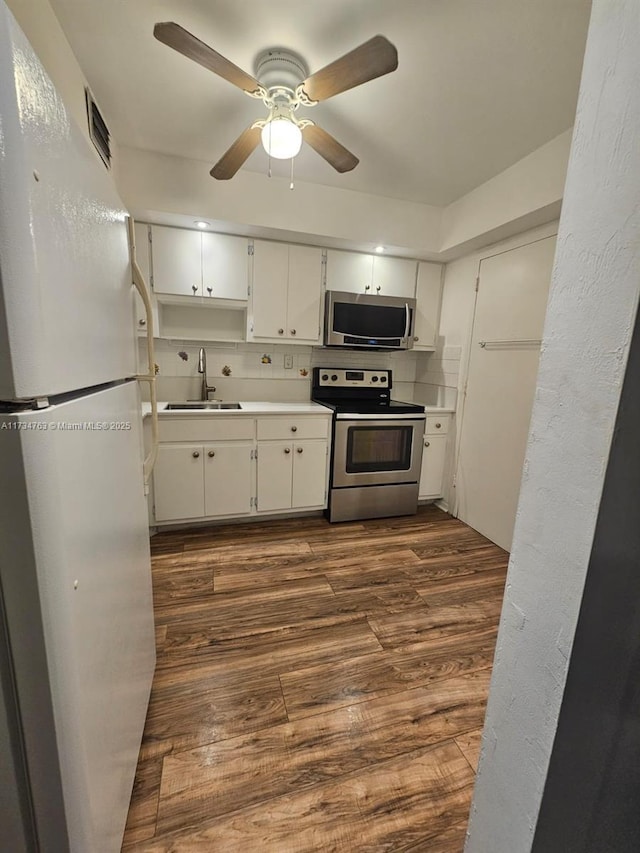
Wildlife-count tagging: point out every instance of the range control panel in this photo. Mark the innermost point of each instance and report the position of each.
(339, 377)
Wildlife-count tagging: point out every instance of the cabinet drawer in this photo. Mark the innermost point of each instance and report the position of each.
(206, 429)
(290, 427)
(437, 424)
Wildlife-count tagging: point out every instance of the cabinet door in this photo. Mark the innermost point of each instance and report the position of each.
(225, 266)
(349, 271)
(227, 479)
(269, 289)
(143, 247)
(275, 462)
(176, 256)
(178, 482)
(309, 473)
(432, 472)
(304, 294)
(428, 295)
(394, 277)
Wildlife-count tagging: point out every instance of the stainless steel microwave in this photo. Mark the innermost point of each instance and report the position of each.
(357, 320)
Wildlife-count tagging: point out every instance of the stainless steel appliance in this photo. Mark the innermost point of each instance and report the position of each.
(377, 444)
(356, 320)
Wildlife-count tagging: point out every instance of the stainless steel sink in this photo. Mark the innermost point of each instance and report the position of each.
(209, 405)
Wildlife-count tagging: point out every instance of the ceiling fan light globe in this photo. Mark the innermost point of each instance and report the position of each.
(281, 138)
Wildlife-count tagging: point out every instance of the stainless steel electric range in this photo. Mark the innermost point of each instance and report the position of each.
(377, 444)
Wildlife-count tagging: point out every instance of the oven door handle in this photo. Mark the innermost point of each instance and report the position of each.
(384, 419)
(408, 320)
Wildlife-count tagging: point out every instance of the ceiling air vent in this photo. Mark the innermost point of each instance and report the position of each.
(98, 130)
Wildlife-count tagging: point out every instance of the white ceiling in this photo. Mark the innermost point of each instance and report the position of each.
(480, 83)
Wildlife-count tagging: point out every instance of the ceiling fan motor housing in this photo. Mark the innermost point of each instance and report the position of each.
(278, 68)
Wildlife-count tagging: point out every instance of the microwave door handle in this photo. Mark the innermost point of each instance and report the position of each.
(408, 320)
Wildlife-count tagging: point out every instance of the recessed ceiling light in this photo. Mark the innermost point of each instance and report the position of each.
(379, 249)
(201, 223)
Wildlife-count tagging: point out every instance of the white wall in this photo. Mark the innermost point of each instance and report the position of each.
(592, 309)
(153, 184)
(40, 25)
(525, 195)
(162, 188)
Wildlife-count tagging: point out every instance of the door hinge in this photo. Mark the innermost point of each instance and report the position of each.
(477, 283)
(254, 502)
(249, 290)
(250, 249)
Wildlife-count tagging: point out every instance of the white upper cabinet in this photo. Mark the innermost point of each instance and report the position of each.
(373, 274)
(177, 261)
(349, 271)
(429, 296)
(304, 293)
(286, 293)
(394, 277)
(225, 266)
(195, 263)
(143, 258)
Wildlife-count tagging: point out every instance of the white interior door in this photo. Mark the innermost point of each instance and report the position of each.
(510, 311)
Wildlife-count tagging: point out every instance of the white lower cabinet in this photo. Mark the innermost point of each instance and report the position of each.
(210, 468)
(228, 479)
(308, 488)
(199, 481)
(178, 482)
(434, 456)
(275, 469)
(291, 475)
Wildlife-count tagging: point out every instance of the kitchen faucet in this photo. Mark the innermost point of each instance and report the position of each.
(202, 368)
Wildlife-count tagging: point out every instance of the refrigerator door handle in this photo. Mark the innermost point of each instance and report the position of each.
(150, 376)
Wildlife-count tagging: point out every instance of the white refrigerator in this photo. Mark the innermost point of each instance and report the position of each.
(77, 649)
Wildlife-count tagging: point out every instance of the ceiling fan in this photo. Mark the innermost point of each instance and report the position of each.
(283, 86)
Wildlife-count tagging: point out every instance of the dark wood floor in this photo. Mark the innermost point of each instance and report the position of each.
(319, 687)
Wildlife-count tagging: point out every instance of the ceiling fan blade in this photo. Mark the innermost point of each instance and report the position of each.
(231, 160)
(175, 36)
(329, 148)
(372, 59)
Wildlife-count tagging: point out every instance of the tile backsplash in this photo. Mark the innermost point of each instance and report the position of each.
(437, 376)
(277, 372)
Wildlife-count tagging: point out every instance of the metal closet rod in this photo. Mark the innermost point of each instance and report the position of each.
(485, 344)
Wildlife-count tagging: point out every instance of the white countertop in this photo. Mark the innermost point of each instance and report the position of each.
(251, 407)
(260, 407)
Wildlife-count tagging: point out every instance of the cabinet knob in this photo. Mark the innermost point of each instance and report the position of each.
(209, 290)
(438, 426)
(299, 449)
(211, 453)
(287, 450)
(378, 289)
(194, 288)
(416, 338)
(294, 429)
(367, 287)
(427, 443)
(293, 331)
(195, 454)
(142, 322)
(281, 331)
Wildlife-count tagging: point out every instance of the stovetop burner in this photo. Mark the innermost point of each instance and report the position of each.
(349, 391)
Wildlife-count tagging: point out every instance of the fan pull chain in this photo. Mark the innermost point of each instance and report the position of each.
(291, 184)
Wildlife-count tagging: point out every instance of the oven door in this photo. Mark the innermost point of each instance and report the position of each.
(369, 450)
